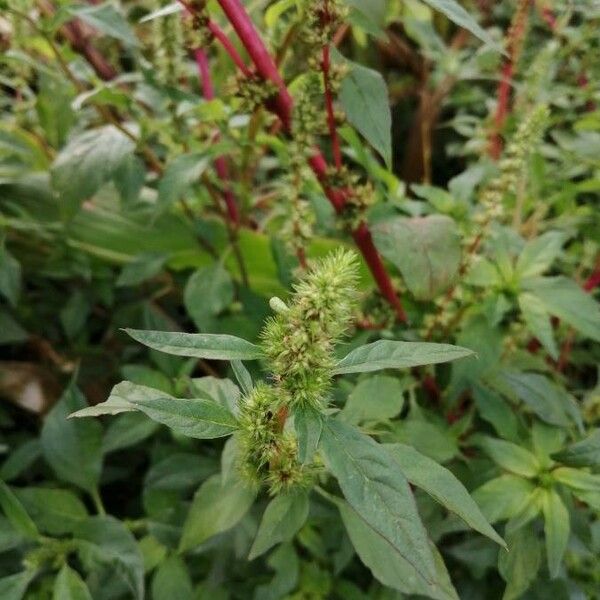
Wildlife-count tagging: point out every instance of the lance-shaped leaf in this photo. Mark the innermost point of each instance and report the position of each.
(390, 354)
(456, 13)
(15, 513)
(282, 519)
(390, 566)
(556, 528)
(375, 487)
(120, 400)
(443, 486)
(197, 345)
(194, 417)
(585, 453)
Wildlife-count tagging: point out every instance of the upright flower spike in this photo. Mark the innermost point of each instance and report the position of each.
(298, 342)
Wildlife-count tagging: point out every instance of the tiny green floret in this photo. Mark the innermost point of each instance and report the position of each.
(298, 342)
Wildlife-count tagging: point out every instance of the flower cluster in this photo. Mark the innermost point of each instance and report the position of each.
(298, 342)
(514, 164)
(321, 20)
(253, 91)
(195, 27)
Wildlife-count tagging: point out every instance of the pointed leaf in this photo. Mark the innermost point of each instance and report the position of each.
(389, 354)
(443, 486)
(389, 565)
(556, 529)
(194, 417)
(456, 13)
(511, 457)
(197, 345)
(68, 585)
(282, 519)
(585, 453)
(73, 448)
(364, 97)
(378, 492)
(216, 507)
(16, 513)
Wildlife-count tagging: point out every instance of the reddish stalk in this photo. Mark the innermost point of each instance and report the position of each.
(221, 166)
(263, 62)
(515, 38)
(74, 33)
(282, 107)
(335, 141)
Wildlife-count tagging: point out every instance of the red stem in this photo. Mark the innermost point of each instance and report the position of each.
(335, 141)
(221, 166)
(282, 106)
(264, 63)
(502, 107)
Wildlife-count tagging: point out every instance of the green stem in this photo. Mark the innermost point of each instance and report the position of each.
(97, 500)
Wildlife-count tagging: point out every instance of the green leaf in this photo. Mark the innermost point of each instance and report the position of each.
(576, 479)
(54, 511)
(14, 587)
(216, 507)
(520, 565)
(556, 529)
(538, 322)
(10, 277)
(564, 299)
(208, 292)
(107, 19)
(242, 376)
(74, 314)
(511, 457)
(221, 391)
(585, 453)
(193, 417)
(376, 398)
(426, 250)
(10, 331)
(15, 513)
(457, 14)
(172, 580)
(308, 424)
(548, 401)
(538, 255)
(68, 585)
(503, 497)
(54, 110)
(364, 97)
(443, 486)
(179, 176)
(496, 411)
(72, 448)
(20, 459)
(378, 492)
(388, 564)
(389, 354)
(105, 541)
(197, 345)
(282, 519)
(119, 400)
(143, 267)
(86, 163)
(127, 430)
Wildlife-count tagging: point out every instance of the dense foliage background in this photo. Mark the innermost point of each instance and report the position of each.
(159, 170)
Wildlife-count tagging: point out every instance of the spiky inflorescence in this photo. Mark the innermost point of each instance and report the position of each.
(513, 165)
(298, 342)
(267, 453)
